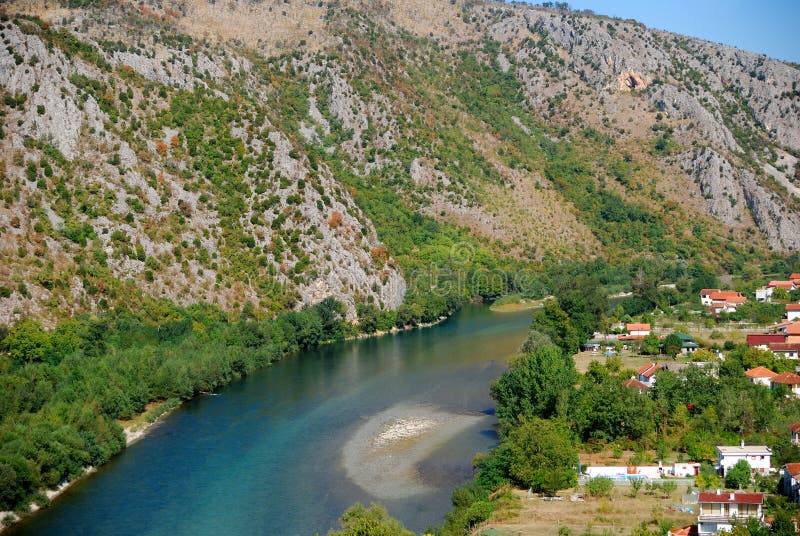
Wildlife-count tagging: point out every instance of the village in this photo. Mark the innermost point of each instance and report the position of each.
(717, 510)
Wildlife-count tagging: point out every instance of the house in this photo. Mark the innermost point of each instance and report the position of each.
(790, 477)
(790, 380)
(761, 376)
(636, 331)
(795, 429)
(762, 341)
(719, 511)
(688, 345)
(684, 469)
(705, 295)
(785, 350)
(726, 301)
(758, 456)
(633, 383)
(646, 374)
(792, 332)
(788, 286)
(792, 311)
(795, 277)
(764, 294)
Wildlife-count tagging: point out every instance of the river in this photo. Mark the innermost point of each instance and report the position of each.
(395, 419)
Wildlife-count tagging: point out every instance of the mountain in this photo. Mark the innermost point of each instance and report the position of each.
(280, 152)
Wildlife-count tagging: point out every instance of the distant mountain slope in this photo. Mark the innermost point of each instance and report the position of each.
(280, 152)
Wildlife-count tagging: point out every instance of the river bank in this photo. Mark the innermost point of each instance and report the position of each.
(138, 426)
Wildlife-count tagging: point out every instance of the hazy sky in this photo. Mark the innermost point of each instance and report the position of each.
(771, 27)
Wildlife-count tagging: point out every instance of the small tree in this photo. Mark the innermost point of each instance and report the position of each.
(599, 486)
(636, 486)
(358, 520)
(673, 344)
(738, 476)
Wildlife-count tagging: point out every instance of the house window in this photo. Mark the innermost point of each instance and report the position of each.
(762, 457)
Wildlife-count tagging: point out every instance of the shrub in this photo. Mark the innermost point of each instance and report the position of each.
(599, 486)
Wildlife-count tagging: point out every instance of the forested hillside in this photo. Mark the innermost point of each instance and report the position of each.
(150, 152)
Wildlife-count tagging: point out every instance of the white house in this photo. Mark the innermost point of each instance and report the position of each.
(705, 295)
(647, 373)
(790, 380)
(761, 376)
(795, 429)
(786, 350)
(792, 311)
(791, 481)
(719, 511)
(764, 294)
(758, 456)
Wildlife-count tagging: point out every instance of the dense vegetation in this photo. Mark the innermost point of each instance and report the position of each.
(64, 391)
(548, 413)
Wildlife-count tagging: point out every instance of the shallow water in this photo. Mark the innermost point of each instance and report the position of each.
(267, 455)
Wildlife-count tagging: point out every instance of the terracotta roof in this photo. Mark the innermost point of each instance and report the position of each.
(689, 530)
(727, 497)
(786, 285)
(793, 328)
(795, 275)
(706, 291)
(729, 296)
(795, 427)
(633, 383)
(760, 372)
(785, 347)
(637, 327)
(793, 468)
(764, 338)
(648, 370)
(631, 337)
(787, 378)
(793, 306)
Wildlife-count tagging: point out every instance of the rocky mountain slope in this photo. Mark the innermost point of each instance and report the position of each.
(280, 152)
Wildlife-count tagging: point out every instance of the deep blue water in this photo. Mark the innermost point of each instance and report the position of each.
(264, 455)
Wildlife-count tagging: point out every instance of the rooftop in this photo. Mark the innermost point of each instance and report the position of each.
(744, 449)
(760, 372)
(728, 497)
(787, 378)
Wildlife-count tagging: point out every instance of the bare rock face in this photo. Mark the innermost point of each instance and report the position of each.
(770, 211)
(631, 80)
(719, 184)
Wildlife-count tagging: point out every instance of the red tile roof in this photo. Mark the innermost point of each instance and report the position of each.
(759, 339)
(795, 427)
(631, 337)
(793, 468)
(794, 276)
(729, 296)
(727, 497)
(793, 306)
(633, 383)
(786, 285)
(707, 291)
(689, 530)
(760, 372)
(648, 370)
(793, 328)
(787, 378)
(637, 327)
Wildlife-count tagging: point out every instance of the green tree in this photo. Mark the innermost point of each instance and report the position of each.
(554, 322)
(535, 385)
(738, 476)
(650, 344)
(27, 341)
(600, 486)
(372, 521)
(542, 455)
(672, 344)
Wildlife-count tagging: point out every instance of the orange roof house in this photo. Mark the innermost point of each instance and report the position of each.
(787, 378)
(760, 372)
(729, 296)
(785, 285)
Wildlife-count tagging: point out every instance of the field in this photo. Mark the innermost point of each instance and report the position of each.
(617, 514)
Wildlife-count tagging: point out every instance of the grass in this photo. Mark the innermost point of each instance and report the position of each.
(618, 513)
(513, 303)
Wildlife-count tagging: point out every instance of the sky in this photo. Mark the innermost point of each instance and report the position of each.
(770, 27)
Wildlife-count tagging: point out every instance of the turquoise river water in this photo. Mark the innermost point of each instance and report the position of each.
(395, 419)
